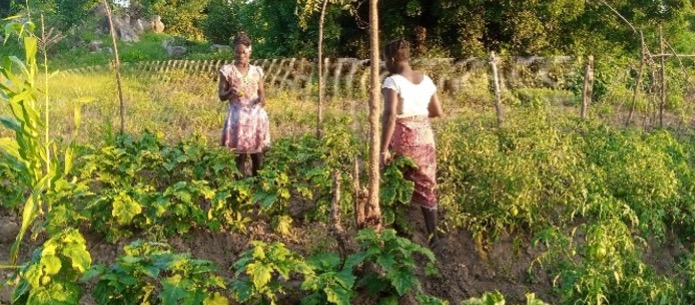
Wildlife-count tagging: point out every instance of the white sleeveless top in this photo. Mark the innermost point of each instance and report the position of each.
(415, 98)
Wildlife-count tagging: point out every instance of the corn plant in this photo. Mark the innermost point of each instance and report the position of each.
(36, 162)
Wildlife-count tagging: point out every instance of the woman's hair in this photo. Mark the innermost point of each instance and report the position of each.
(398, 49)
(242, 39)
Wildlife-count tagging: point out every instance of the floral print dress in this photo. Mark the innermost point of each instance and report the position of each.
(246, 129)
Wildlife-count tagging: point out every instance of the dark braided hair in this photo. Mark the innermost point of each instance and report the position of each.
(242, 39)
(398, 49)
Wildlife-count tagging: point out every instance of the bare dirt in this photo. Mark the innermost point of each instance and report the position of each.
(464, 271)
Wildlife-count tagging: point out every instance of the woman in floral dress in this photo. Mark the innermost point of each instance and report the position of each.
(246, 127)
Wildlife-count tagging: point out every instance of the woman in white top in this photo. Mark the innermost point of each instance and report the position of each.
(410, 99)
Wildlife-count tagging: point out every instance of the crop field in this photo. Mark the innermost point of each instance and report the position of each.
(134, 201)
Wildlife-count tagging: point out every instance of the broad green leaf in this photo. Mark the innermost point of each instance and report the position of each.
(424, 299)
(174, 289)
(345, 279)
(69, 158)
(260, 274)
(241, 263)
(387, 261)
(125, 208)
(33, 275)
(258, 251)
(389, 217)
(10, 123)
(284, 224)
(81, 259)
(9, 146)
(243, 290)
(95, 271)
(51, 265)
(30, 48)
(337, 295)
(355, 259)
(402, 280)
(28, 216)
(56, 293)
(325, 261)
(216, 299)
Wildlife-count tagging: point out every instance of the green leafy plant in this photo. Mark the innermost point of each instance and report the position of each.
(329, 284)
(396, 193)
(496, 298)
(38, 164)
(395, 258)
(50, 277)
(262, 273)
(149, 273)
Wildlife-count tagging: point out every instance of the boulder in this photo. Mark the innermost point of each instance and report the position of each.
(172, 50)
(124, 30)
(141, 26)
(157, 25)
(95, 45)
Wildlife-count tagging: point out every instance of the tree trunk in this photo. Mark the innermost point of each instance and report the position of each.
(319, 112)
(116, 66)
(588, 87)
(373, 211)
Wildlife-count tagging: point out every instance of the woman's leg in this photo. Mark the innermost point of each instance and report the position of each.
(431, 224)
(256, 163)
(241, 164)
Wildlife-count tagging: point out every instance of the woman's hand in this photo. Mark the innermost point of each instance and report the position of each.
(385, 158)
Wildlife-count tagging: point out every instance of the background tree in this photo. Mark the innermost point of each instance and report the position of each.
(221, 21)
(181, 17)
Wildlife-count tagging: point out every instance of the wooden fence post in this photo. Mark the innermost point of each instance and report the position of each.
(116, 66)
(638, 83)
(496, 84)
(663, 79)
(588, 87)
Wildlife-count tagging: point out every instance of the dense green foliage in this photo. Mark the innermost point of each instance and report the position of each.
(289, 28)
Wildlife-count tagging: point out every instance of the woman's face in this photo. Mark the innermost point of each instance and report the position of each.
(242, 53)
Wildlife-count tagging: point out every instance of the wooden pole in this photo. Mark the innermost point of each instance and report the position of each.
(638, 83)
(359, 206)
(588, 87)
(337, 228)
(662, 88)
(319, 112)
(373, 214)
(498, 92)
(117, 66)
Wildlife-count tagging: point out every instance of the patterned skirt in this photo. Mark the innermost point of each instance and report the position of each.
(246, 130)
(413, 138)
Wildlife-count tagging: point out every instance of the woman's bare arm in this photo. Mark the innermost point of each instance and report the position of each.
(388, 119)
(434, 107)
(225, 91)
